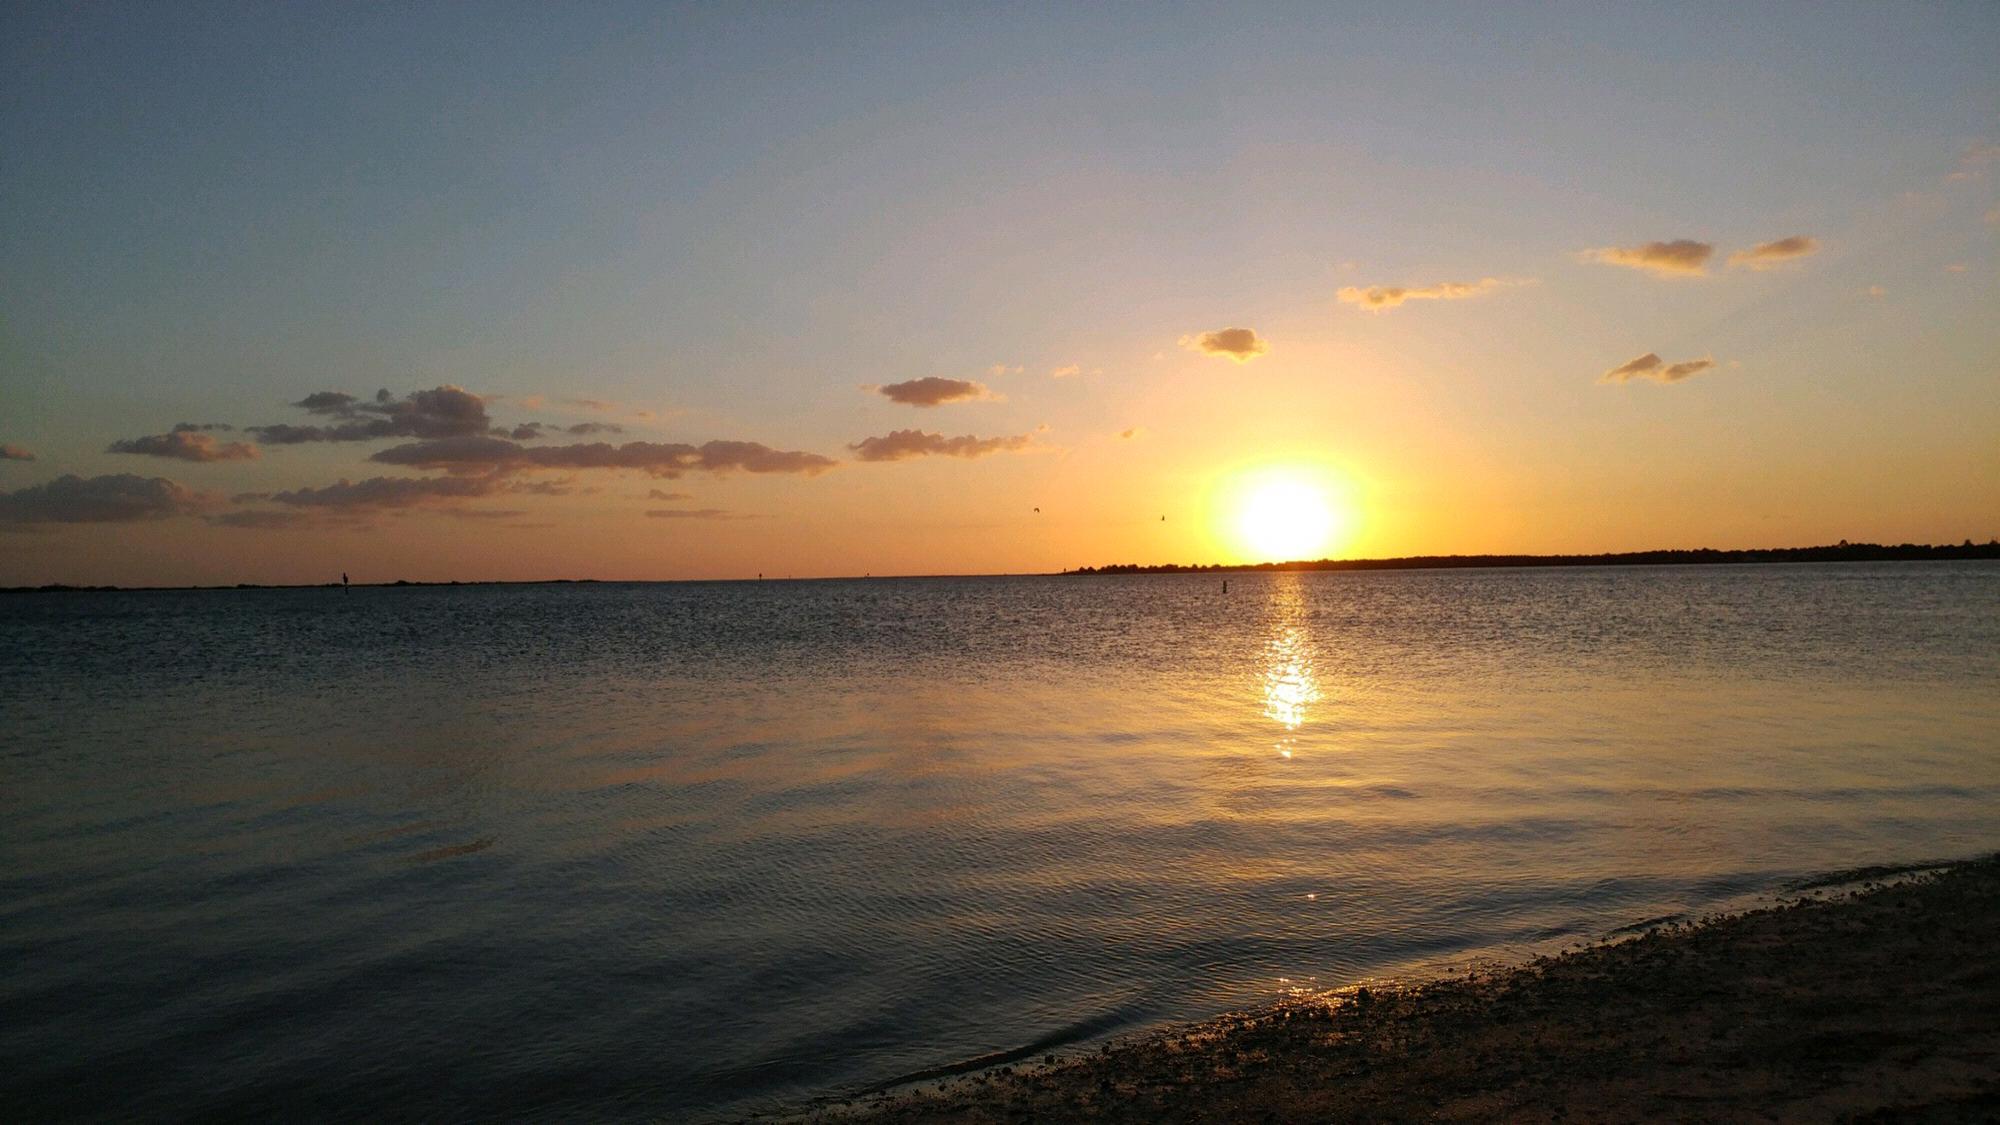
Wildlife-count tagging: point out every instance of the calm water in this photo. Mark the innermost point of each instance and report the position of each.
(673, 850)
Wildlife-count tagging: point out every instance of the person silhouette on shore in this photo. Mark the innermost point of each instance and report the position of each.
(343, 582)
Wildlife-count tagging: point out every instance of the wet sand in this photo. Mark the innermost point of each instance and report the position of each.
(1882, 1004)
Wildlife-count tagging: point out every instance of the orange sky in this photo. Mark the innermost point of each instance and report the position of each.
(1481, 285)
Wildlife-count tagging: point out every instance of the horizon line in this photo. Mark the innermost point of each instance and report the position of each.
(1843, 551)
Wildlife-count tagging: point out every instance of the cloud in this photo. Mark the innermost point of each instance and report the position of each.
(563, 487)
(1066, 371)
(696, 514)
(901, 445)
(385, 492)
(596, 404)
(1651, 366)
(440, 412)
(10, 452)
(669, 497)
(1001, 370)
(531, 431)
(1957, 267)
(933, 391)
(1376, 298)
(1239, 344)
(483, 513)
(186, 442)
(261, 519)
(476, 454)
(1770, 255)
(1875, 291)
(1681, 256)
(117, 498)
(1973, 161)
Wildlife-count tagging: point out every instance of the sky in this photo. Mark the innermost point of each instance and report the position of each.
(640, 291)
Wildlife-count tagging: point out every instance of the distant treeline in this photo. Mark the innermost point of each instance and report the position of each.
(60, 588)
(1842, 551)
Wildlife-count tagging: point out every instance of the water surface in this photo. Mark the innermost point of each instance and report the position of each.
(605, 851)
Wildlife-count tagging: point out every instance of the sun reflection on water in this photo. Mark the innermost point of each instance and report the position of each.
(1290, 685)
(1290, 688)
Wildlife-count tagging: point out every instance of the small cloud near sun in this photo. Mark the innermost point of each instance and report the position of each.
(1682, 256)
(1239, 344)
(901, 445)
(1377, 298)
(1651, 366)
(1001, 371)
(934, 391)
(1771, 255)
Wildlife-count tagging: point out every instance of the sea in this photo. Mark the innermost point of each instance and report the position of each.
(692, 851)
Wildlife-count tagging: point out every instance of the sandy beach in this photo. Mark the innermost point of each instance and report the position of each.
(1871, 996)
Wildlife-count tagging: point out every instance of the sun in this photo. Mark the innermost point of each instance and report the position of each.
(1284, 516)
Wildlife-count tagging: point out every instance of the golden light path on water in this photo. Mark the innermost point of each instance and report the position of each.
(1290, 685)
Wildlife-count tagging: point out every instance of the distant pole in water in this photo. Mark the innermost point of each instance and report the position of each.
(1225, 585)
(343, 582)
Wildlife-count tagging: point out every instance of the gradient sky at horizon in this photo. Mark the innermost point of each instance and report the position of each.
(706, 223)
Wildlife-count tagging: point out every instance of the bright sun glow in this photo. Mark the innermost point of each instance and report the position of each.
(1284, 517)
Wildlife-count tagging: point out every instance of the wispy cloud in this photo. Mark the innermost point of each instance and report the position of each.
(1651, 366)
(531, 431)
(1681, 256)
(186, 442)
(1067, 371)
(1239, 344)
(697, 514)
(116, 498)
(934, 391)
(669, 497)
(263, 519)
(384, 492)
(659, 459)
(1973, 161)
(901, 445)
(1770, 255)
(1376, 298)
(11, 452)
(441, 412)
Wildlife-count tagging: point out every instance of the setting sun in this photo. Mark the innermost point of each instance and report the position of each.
(1284, 516)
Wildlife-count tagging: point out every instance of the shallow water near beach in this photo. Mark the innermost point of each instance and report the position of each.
(610, 851)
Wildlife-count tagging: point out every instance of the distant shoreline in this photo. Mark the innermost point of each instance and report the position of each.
(1700, 556)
